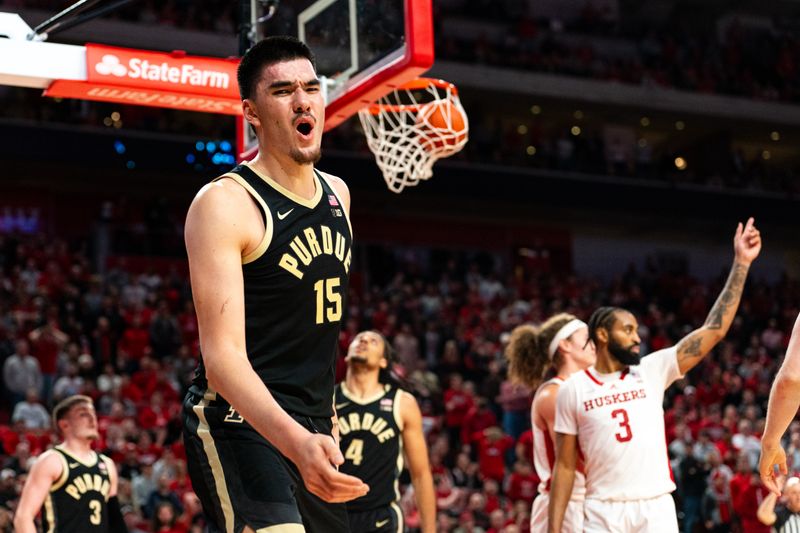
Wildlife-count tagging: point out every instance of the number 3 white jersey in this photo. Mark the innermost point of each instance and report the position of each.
(619, 421)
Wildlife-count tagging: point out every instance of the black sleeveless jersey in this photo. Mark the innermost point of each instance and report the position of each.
(78, 499)
(295, 287)
(370, 439)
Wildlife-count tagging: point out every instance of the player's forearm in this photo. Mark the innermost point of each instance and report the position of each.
(232, 377)
(693, 348)
(766, 511)
(721, 315)
(23, 523)
(426, 500)
(784, 398)
(560, 492)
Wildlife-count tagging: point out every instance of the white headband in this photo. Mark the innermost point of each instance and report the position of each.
(566, 330)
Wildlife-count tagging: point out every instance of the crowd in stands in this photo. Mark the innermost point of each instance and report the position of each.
(736, 60)
(753, 61)
(130, 341)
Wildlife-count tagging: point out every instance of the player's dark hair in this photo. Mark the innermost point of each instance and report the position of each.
(274, 49)
(527, 350)
(388, 349)
(603, 317)
(61, 410)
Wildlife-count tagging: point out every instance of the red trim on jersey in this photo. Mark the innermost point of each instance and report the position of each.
(669, 465)
(550, 450)
(624, 373)
(593, 378)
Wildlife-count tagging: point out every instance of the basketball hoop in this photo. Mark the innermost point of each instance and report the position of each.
(412, 127)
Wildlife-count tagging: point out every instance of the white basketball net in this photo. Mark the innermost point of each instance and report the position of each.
(409, 129)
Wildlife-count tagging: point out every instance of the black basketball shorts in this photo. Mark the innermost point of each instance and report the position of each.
(242, 480)
(387, 519)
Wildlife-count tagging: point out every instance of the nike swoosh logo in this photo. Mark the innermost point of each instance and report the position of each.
(73, 465)
(342, 405)
(281, 216)
(382, 523)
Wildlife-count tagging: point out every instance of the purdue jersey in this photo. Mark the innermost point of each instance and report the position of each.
(295, 284)
(78, 499)
(369, 436)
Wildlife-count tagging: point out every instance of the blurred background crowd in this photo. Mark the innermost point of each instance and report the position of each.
(129, 340)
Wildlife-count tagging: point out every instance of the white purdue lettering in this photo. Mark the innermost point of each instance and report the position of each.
(344, 427)
(327, 240)
(367, 421)
(289, 264)
(72, 491)
(105, 488)
(339, 252)
(313, 245)
(81, 486)
(355, 423)
(378, 426)
(386, 435)
(347, 260)
(301, 251)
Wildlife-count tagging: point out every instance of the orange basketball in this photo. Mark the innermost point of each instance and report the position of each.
(445, 119)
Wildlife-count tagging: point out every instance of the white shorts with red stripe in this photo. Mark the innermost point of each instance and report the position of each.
(654, 515)
(573, 516)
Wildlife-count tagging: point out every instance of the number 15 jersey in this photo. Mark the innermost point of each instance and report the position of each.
(619, 421)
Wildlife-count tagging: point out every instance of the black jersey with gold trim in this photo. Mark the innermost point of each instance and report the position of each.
(370, 439)
(295, 287)
(78, 500)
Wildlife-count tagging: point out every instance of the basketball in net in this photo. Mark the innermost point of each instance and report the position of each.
(412, 127)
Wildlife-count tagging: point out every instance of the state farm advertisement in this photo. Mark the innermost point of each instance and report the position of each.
(158, 79)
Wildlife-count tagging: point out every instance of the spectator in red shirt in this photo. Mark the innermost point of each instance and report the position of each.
(478, 418)
(46, 342)
(134, 344)
(457, 402)
(492, 445)
(522, 483)
(746, 495)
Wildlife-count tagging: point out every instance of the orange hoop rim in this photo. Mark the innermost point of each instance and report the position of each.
(413, 85)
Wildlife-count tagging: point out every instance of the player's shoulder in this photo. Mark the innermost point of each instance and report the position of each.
(49, 463)
(220, 198)
(660, 357)
(338, 184)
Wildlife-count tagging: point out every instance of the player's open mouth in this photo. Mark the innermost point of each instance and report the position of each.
(304, 126)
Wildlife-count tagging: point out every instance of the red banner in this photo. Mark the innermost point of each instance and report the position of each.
(163, 71)
(141, 96)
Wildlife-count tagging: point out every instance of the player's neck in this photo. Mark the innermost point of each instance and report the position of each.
(290, 175)
(362, 383)
(80, 448)
(568, 368)
(606, 364)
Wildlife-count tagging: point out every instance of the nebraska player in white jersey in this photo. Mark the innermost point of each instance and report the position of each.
(613, 412)
(559, 347)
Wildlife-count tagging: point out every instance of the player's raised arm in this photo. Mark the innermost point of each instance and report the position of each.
(418, 465)
(563, 480)
(695, 346)
(45, 471)
(784, 400)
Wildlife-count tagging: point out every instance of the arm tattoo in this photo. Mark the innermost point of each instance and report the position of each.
(691, 346)
(728, 300)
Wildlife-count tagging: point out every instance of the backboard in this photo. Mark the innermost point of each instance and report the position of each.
(364, 50)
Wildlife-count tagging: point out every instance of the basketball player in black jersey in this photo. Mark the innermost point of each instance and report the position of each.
(73, 486)
(269, 256)
(378, 422)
